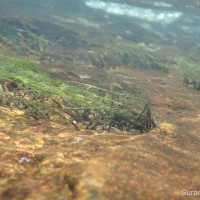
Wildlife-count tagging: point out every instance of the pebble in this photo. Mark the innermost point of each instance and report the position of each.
(24, 160)
(77, 140)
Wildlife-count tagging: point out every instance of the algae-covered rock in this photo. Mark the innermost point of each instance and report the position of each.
(58, 44)
(26, 86)
(189, 69)
(123, 54)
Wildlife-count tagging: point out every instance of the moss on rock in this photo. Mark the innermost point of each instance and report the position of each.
(27, 86)
(123, 54)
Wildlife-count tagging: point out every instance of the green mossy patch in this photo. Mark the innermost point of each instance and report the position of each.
(27, 86)
(123, 54)
(189, 69)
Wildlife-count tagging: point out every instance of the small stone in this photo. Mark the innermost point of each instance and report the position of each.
(24, 160)
(77, 140)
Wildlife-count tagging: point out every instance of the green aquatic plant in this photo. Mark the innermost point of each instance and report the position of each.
(26, 37)
(123, 54)
(27, 86)
(189, 69)
(23, 37)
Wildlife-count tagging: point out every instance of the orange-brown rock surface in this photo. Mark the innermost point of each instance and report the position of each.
(42, 160)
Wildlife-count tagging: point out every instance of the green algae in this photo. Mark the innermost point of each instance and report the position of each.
(124, 54)
(57, 40)
(189, 69)
(26, 85)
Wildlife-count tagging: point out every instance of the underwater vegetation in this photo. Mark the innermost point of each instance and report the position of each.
(37, 39)
(27, 37)
(189, 69)
(124, 54)
(26, 86)
(134, 56)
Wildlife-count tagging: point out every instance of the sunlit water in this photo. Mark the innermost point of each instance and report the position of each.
(146, 21)
(146, 14)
